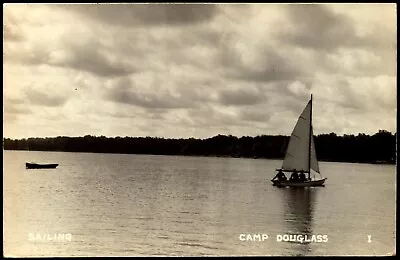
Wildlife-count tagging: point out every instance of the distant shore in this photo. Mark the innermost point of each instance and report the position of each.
(379, 148)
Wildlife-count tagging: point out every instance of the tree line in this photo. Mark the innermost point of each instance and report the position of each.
(378, 148)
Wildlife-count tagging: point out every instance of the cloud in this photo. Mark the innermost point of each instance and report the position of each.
(15, 109)
(146, 14)
(12, 100)
(78, 46)
(153, 92)
(11, 31)
(90, 56)
(198, 70)
(343, 44)
(380, 91)
(255, 115)
(127, 91)
(249, 61)
(212, 116)
(83, 55)
(321, 27)
(14, 105)
(316, 26)
(362, 94)
(43, 99)
(243, 96)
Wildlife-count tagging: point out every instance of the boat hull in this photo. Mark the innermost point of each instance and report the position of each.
(40, 166)
(312, 183)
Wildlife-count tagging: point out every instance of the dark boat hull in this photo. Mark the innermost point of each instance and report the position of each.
(312, 183)
(40, 166)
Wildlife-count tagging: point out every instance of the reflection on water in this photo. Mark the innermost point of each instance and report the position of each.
(300, 208)
(299, 214)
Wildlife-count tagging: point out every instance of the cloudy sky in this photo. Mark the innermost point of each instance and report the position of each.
(197, 70)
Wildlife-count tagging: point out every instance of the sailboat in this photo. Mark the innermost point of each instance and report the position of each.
(301, 155)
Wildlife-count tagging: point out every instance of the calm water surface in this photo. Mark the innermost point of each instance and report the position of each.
(114, 204)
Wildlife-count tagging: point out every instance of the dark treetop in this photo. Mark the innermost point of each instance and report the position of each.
(378, 148)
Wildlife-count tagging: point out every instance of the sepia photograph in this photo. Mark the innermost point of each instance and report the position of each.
(199, 129)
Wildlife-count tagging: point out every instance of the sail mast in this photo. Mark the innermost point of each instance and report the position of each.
(309, 141)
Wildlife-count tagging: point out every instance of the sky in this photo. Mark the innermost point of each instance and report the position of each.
(197, 70)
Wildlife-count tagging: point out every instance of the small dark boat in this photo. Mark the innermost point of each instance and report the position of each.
(41, 166)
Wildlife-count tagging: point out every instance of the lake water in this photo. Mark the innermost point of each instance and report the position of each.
(121, 205)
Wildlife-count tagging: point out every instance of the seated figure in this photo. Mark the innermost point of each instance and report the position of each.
(294, 177)
(281, 176)
(302, 176)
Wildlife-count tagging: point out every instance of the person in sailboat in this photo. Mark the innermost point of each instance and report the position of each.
(280, 175)
(294, 176)
(302, 176)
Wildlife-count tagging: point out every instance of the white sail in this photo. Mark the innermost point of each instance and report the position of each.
(297, 153)
(300, 154)
(313, 161)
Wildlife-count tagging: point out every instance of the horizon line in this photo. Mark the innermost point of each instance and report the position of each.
(228, 135)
